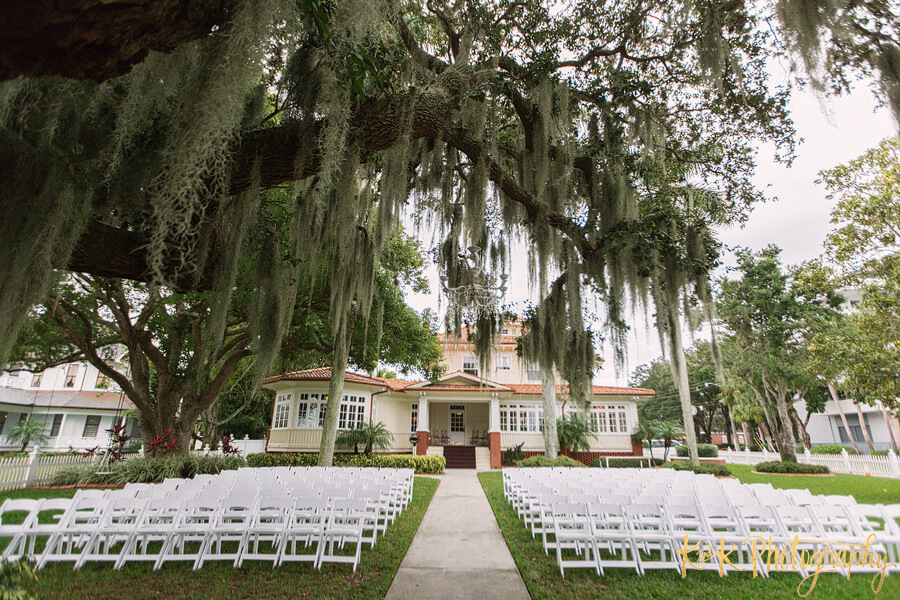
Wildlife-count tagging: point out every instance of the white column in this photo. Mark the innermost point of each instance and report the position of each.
(494, 417)
(423, 413)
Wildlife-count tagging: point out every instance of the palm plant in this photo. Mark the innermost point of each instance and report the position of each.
(668, 431)
(574, 433)
(370, 437)
(27, 431)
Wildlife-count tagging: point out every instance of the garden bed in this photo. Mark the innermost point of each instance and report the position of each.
(795, 474)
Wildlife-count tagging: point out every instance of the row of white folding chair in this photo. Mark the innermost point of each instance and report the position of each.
(121, 530)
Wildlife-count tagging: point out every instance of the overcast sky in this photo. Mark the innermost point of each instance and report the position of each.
(797, 219)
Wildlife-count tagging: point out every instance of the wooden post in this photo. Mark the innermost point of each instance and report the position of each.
(31, 470)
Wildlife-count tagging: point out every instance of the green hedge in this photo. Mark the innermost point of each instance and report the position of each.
(542, 461)
(421, 464)
(879, 452)
(625, 463)
(832, 449)
(703, 451)
(147, 470)
(702, 468)
(777, 466)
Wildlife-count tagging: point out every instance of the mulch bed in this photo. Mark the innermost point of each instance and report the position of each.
(796, 474)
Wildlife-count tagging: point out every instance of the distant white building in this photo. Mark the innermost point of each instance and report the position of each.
(827, 427)
(76, 402)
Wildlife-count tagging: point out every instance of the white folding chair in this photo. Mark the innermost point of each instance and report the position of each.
(306, 524)
(572, 530)
(613, 534)
(185, 540)
(116, 525)
(76, 526)
(346, 522)
(654, 544)
(224, 539)
(158, 520)
(16, 517)
(267, 527)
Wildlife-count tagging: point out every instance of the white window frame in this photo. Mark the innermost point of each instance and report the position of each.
(352, 412)
(470, 365)
(610, 418)
(310, 410)
(414, 417)
(504, 363)
(521, 418)
(532, 371)
(281, 419)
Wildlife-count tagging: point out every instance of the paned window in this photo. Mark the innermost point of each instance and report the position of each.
(503, 363)
(71, 373)
(57, 424)
(521, 418)
(470, 365)
(102, 381)
(282, 411)
(352, 412)
(36, 379)
(414, 417)
(607, 418)
(533, 372)
(91, 426)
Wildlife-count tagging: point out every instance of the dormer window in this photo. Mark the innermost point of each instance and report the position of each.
(71, 373)
(470, 365)
(533, 372)
(503, 363)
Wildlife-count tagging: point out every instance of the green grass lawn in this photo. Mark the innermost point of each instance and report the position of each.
(138, 581)
(866, 490)
(542, 578)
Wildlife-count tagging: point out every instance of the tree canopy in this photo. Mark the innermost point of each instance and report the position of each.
(610, 137)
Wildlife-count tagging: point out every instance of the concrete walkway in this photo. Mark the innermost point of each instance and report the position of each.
(458, 552)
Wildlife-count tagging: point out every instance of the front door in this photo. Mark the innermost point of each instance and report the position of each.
(458, 424)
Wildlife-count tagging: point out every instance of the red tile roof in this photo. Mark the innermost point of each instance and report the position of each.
(398, 385)
(66, 399)
(324, 374)
(599, 390)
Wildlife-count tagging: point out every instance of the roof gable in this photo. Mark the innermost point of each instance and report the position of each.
(458, 380)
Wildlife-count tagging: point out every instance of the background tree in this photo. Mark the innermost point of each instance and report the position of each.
(711, 414)
(768, 314)
(574, 432)
(668, 432)
(176, 374)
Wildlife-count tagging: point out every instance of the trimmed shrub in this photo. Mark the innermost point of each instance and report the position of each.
(777, 466)
(832, 449)
(421, 464)
(703, 451)
(542, 461)
(147, 470)
(513, 454)
(626, 463)
(703, 468)
(879, 453)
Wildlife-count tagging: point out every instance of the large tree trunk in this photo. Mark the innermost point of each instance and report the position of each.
(684, 387)
(548, 394)
(734, 435)
(98, 39)
(890, 429)
(748, 439)
(335, 394)
(837, 402)
(787, 443)
(862, 425)
(801, 428)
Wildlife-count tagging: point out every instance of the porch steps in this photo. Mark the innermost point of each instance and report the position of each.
(460, 457)
(482, 458)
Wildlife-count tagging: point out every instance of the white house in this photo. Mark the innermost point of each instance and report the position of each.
(827, 427)
(76, 402)
(464, 413)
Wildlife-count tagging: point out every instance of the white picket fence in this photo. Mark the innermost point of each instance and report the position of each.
(25, 471)
(853, 464)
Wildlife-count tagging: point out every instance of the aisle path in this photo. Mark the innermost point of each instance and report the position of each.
(458, 552)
